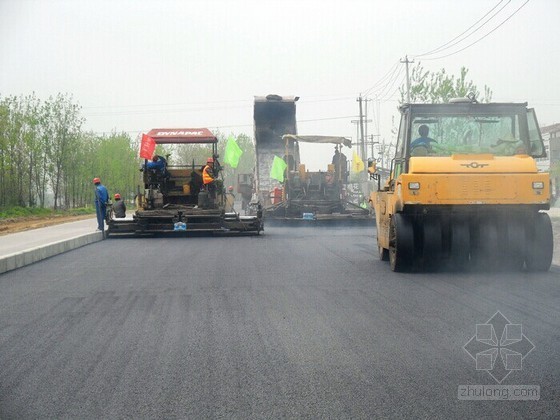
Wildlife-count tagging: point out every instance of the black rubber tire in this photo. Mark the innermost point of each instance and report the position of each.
(460, 245)
(485, 244)
(515, 244)
(401, 243)
(431, 242)
(540, 243)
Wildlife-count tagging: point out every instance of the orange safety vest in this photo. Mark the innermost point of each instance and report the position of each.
(207, 178)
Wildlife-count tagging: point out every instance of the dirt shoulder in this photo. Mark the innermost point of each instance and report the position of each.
(20, 224)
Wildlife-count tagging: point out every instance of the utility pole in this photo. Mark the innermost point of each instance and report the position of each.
(357, 122)
(372, 142)
(362, 146)
(406, 61)
(362, 127)
(366, 121)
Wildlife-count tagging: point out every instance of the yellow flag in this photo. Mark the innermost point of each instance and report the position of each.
(357, 164)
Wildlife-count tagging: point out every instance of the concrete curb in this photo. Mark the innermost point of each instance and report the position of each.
(23, 258)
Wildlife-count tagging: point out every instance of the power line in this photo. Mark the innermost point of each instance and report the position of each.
(447, 46)
(391, 71)
(192, 108)
(229, 126)
(159, 111)
(396, 70)
(390, 84)
(380, 91)
(167, 104)
(387, 98)
(480, 39)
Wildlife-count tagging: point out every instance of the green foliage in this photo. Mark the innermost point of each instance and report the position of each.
(114, 159)
(46, 159)
(21, 212)
(440, 87)
(17, 211)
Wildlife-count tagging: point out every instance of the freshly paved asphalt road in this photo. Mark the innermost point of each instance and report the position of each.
(294, 323)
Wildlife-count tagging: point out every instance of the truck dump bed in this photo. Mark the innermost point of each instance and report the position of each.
(274, 116)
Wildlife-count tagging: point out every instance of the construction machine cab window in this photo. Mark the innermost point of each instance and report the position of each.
(500, 135)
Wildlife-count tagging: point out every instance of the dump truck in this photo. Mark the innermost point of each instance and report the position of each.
(273, 116)
(314, 195)
(174, 199)
(464, 190)
(303, 195)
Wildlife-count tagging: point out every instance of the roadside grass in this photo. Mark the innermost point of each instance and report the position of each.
(16, 212)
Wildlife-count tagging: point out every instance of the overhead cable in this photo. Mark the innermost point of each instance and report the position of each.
(449, 43)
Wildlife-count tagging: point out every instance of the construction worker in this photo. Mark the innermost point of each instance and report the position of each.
(101, 199)
(209, 177)
(158, 162)
(230, 200)
(119, 207)
(422, 143)
(339, 161)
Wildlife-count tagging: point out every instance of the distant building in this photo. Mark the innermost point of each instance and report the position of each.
(551, 138)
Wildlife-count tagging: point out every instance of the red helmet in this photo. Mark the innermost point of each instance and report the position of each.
(230, 188)
(117, 196)
(96, 181)
(210, 160)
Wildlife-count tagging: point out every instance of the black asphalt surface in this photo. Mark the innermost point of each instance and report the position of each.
(298, 322)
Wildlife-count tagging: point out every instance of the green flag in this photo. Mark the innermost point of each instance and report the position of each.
(278, 168)
(232, 153)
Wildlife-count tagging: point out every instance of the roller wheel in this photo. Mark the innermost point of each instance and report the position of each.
(485, 244)
(539, 243)
(401, 243)
(514, 244)
(383, 253)
(431, 244)
(460, 245)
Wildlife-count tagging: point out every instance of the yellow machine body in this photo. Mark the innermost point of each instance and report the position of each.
(471, 197)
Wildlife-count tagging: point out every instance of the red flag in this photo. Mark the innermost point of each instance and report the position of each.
(147, 147)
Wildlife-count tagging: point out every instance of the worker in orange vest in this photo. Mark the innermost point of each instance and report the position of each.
(208, 177)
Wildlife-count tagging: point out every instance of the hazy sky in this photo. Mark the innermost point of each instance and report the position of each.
(136, 65)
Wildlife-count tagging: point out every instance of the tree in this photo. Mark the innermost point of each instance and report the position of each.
(62, 126)
(440, 87)
(43, 151)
